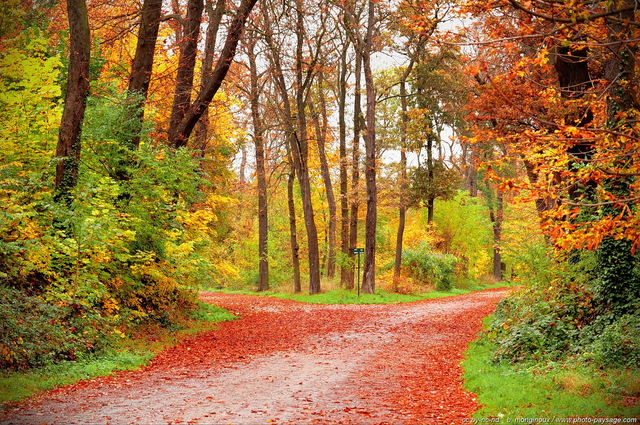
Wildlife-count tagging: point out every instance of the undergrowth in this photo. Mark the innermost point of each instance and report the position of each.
(549, 390)
(132, 353)
(555, 348)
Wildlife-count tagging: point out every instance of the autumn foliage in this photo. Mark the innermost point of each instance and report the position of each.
(557, 92)
(252, 144)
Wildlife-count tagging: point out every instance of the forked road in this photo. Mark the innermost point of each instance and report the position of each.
(287, 362)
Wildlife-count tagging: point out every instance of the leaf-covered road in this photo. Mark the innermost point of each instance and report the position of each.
(288, 362)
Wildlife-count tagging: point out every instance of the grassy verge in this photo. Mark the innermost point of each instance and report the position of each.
(343, 296)
(551, 392)
(132, 354)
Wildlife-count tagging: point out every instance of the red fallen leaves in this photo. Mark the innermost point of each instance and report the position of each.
(407, 361)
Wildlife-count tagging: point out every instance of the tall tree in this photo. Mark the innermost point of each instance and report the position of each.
(68, 147)
(368, 279)
(561, 109)
(258, 141)
(186, 68)
(344, 201)
(142, 65)
(294, 112)
(180, 134)
(358, 126)
(321, 123)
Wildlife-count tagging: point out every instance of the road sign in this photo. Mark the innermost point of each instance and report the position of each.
(357, 250)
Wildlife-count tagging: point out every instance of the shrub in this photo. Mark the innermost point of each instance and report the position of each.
(430, 268)
(618, 343)
(35, 331)
(563, 318)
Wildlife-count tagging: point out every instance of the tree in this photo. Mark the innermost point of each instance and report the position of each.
(321, 124)
(363, 43)
(186, 67)
(344, 201)
(68, 148)
(258, 141)
(142, 65)
(294, 118)
(179, 134)
(567, 106)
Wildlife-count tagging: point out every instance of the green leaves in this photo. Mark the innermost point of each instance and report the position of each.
(439, 182)
(29, 104)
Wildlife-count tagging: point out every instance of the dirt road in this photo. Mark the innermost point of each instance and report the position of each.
(288, 362)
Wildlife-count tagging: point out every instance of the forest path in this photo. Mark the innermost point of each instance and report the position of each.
(289, 362)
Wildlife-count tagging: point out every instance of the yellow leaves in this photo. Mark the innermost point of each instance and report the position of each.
(572, 131)
(215, 201)
(542, 58)
(227, 270)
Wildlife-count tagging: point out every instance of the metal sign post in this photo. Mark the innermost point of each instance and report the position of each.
(358, 251)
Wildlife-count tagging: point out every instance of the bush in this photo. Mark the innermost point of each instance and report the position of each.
(430, 268)
(618, 343)
(526, 330)
(35, 332)
(563, 318)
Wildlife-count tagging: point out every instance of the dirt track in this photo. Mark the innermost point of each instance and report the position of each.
(287, 362)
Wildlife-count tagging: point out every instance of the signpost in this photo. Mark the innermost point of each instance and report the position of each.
(358, 251)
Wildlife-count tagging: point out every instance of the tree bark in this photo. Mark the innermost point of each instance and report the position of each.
(496, 216)
(214, 19)
(402, 209)
(430, 166)
(293, 231)
(68, 147)
(197, 108)
(142, 64)
(355, 166)
(300, 153)
(369, 274)
(258, 140)
(616, 287)
(344, 201)
(186, 67)
(321, 136)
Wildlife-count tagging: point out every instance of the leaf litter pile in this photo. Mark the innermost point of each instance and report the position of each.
(289, 362)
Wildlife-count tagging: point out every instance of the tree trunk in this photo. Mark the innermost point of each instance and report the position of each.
(321, 133)
(293, 232)
(355, 171)
(142, 64)
(369, 274)
(430, 201)
(68, 147)
(258, 140)
(186, 67)
(616, 287)
(197, 108)
(402, 209)
(300, 151)
(496, 216)
(344, 201)
(215, 17)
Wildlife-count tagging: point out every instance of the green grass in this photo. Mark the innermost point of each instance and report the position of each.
(547, 391)
(132, 354)
(343, 296)
(17, 385)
